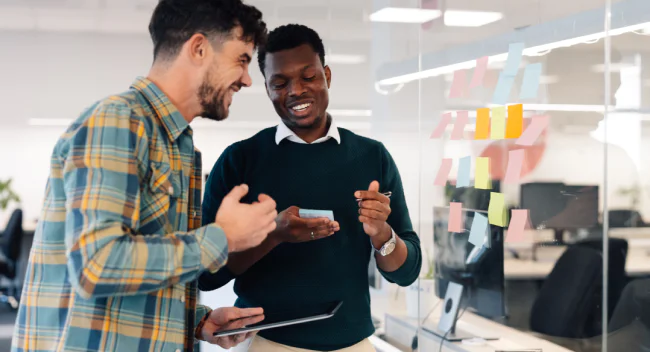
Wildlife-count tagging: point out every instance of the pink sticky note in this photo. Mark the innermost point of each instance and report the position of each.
(443, 172)
(459, 85)
(515, 162)
(442, 126)
(533, 131)
(455, 214)
(517, 225)
(479, 72)
(462, 117)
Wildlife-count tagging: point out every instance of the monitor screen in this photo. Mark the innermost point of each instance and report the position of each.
(560, 206)
(478, 269)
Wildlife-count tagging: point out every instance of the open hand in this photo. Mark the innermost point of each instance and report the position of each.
(228, 319)
(294, 229)
(374, 209)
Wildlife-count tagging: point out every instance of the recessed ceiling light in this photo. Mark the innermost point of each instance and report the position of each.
(345, 59)
(404, 15)
(460, 18)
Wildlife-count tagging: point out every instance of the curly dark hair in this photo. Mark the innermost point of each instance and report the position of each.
(175, 21)
(288, 37)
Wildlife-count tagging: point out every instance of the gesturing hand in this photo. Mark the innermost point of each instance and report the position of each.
(374, 209)
(228, 319)
(245, 225)
(294, 229)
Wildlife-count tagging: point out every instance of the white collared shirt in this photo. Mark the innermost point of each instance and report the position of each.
(283, 132)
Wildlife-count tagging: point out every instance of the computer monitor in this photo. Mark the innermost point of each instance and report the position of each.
(560, 206)
(479, 269)
(472, 198)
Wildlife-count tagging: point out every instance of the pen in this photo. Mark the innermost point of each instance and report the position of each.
(387, 194)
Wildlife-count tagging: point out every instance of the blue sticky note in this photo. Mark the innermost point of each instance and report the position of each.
(502, 91)
(479, 230)
(313, 214)
(464, 166)
(515, 52)
(530, 84)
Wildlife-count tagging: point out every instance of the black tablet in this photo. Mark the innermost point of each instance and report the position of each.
(277, 319)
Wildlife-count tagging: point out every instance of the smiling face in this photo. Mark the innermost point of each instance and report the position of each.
(227, 74)
(297, 83)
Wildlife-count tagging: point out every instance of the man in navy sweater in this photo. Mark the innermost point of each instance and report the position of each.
(307, 162)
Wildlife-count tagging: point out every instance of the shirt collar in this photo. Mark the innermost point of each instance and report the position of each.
(283, 132)
(170, 117)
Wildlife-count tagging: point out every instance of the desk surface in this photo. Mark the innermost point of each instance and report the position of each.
(509, 338)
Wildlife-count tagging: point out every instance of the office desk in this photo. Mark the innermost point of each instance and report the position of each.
(400, 330)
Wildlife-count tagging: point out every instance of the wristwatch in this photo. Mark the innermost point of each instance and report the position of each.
(388, 247)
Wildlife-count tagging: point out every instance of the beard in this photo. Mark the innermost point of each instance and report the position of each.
(212, 100)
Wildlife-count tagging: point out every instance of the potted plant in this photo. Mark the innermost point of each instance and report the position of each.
(7, 195)
(422, 293)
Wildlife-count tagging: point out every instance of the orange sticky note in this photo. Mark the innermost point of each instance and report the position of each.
(517, 225)
(455, 214)
(482, 124)
(515, 125)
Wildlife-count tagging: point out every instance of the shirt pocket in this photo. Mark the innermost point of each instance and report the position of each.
(159, 200)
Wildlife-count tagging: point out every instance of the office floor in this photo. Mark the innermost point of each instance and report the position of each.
(7, 318)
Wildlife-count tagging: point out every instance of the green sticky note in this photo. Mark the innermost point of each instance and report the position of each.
(497, 212)
(498, 127)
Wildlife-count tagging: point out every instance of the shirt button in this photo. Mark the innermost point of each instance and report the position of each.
(183, 299)
(171, 190)
(195, 213)
(178, 350)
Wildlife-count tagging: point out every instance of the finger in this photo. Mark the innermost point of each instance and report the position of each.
(373, 214)
(323, 231)
(237, 193)
(314, 223)
(251, 334)
(249, 312)
(240, 323)
(265, 207)
(374, 205)
(334, 225)
(367, 220)
(367, 195)
(374, 186)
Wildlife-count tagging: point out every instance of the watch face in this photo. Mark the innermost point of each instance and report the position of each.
(388, 249)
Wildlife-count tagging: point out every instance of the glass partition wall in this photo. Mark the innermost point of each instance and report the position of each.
(518, 127)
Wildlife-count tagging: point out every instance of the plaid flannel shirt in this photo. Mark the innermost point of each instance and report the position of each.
(118, 249)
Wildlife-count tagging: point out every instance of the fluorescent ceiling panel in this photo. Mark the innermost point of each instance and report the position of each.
(404, 15)
(461, 18)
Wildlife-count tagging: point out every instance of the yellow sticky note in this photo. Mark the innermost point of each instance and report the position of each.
(482, 124)
(482, 174)
(498, 127)
(497, 212)
(515, 125)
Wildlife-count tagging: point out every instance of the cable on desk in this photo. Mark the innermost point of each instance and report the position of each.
(442, 341)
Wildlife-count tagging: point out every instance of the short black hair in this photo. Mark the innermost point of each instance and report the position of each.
(175, 21)
(290, 36)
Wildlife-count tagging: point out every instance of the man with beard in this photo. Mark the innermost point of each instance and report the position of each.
(307, 162)
(118, 250)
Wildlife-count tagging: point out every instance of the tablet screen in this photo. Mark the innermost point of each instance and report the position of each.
(290, 316)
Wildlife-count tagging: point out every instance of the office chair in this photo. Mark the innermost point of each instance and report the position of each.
(625, 218)
(9, 255)
(617, 278)
(629, 328)
(565, 305)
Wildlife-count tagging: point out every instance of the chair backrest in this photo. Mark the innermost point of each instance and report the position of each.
(634, 305)
(565, 303)
(617, 279)
(13, 236)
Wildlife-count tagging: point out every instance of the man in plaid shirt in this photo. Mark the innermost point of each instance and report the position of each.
(119, 246)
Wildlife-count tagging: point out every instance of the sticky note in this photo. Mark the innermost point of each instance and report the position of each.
(479, 72)
(533, 131)
(479, 230)
(482, 174)
(502, 90)
(515, 162)
(462, 118)
(515, 124)
(515, 52)
(313, 214)
(443, 172)
(442, 126)
(455, 214)
(498, 123)
(482, 124)
(517, 225)
(530, 84)
(464, 168)
(459, 84)
(497, 212)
